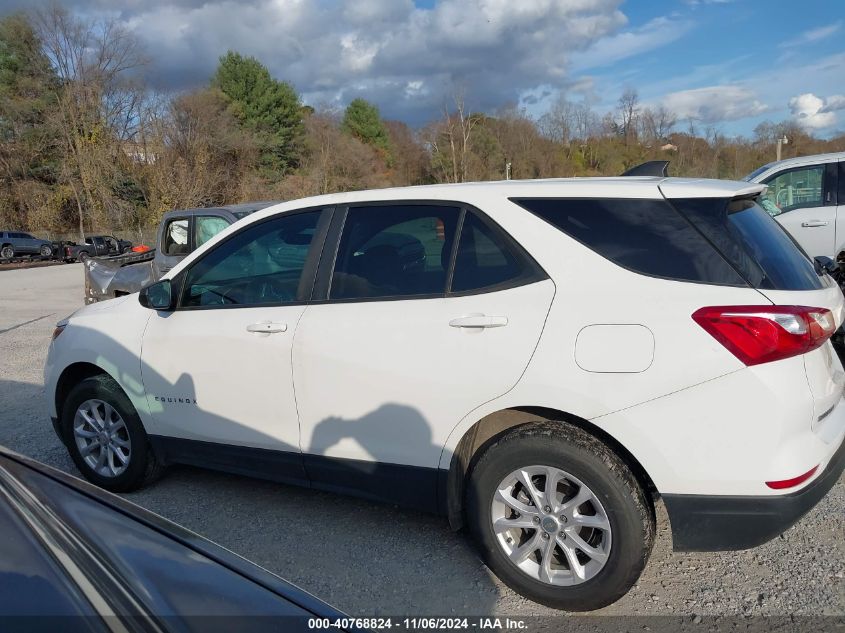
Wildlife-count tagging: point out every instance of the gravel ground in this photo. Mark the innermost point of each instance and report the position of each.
(371, 559)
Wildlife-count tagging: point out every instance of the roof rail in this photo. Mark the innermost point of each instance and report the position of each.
(650, 168)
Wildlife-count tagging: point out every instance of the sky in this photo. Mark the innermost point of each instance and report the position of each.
(726, 64)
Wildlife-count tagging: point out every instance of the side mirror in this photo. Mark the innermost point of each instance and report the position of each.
(157, 296)
(825, 264)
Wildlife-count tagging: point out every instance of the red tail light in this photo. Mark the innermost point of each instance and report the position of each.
(762, 334)
(791, 483)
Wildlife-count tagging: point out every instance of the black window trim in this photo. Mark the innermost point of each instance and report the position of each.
(826, 184)
(322, 287)
(309, 270)
(667, 201)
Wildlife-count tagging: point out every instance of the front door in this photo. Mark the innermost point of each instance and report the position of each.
(412, 336)
(218, 368)
(796, 199)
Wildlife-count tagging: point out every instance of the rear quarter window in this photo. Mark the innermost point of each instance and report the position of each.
(753, 241)
(648, 237)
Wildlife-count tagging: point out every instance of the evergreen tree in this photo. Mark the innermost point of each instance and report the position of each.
(363, 121)
(270, 108)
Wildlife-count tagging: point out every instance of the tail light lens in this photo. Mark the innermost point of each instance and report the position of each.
(762, 334)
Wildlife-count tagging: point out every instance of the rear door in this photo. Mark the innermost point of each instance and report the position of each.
(412, 327)
(797, 199)
(28, 244)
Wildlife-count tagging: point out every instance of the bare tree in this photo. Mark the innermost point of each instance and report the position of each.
(628, 111)
(97, 102)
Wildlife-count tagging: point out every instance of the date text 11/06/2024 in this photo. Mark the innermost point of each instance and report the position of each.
(430, 624)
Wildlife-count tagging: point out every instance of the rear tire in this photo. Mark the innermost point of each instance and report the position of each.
(83, 256)
(613, 501)
(94, 409)
(7, 252)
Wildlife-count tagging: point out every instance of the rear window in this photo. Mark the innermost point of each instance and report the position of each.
(646, 236)
(759, 247)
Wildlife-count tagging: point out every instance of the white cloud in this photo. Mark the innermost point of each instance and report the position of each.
(333, 51)
(715, 103)
(813, 35)
(613, 48)
(833, 103)
(813, 112)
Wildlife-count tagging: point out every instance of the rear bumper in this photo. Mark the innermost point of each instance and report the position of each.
(703, 523)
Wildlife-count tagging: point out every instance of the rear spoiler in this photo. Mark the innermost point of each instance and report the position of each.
(651, 168)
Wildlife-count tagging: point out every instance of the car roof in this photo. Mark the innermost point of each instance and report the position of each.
(237, 210)
(797, 161)
(472, 192)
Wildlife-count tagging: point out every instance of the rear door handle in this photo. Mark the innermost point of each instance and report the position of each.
(813, 223)
(479, 321)
(267, 327)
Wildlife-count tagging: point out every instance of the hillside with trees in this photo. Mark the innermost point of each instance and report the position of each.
(86, 145)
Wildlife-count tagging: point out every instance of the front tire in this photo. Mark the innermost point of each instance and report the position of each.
(105, 437)
(559, 517)
(46, 251)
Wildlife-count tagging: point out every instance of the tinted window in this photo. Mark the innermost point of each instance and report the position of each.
(645, 236)
(260, 265)
(485, 257)
(755, 243)
(794, 189)
(175, 240)
(388, 251)
(206, 227)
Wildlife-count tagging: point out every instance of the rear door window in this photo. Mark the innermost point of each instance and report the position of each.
(206, 227)
(645, 236)
(394, 251)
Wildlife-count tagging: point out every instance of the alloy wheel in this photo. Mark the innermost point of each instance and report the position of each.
(551, 525)
(102, 438)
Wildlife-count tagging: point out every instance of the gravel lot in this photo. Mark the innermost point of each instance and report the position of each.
(371, 559)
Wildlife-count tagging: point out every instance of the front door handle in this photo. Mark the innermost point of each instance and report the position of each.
(479, 321)
(267, 327)
(813, 223)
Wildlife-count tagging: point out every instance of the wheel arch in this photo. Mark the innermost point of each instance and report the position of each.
(492, 426)
(71, 376)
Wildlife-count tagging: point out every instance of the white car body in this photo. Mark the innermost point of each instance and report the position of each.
(386, 390)
(814, 213)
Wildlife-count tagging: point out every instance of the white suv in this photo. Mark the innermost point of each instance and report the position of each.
(537, 360)
(807, 196)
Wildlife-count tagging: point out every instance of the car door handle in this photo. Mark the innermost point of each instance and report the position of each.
(267, 327)
(813, 223)
(479, 321)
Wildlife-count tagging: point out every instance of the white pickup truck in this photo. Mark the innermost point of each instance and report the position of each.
(806, 195)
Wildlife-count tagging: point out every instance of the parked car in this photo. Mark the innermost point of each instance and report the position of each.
(16, 244)
(71, 549)
(96, 246)
(179, 233)
(806, 195)
(536, 360)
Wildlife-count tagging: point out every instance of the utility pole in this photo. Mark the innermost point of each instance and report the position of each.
(507, 171)
(782, 141)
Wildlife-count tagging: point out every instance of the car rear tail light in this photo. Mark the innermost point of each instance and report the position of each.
(762, 334)
(791, 483)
